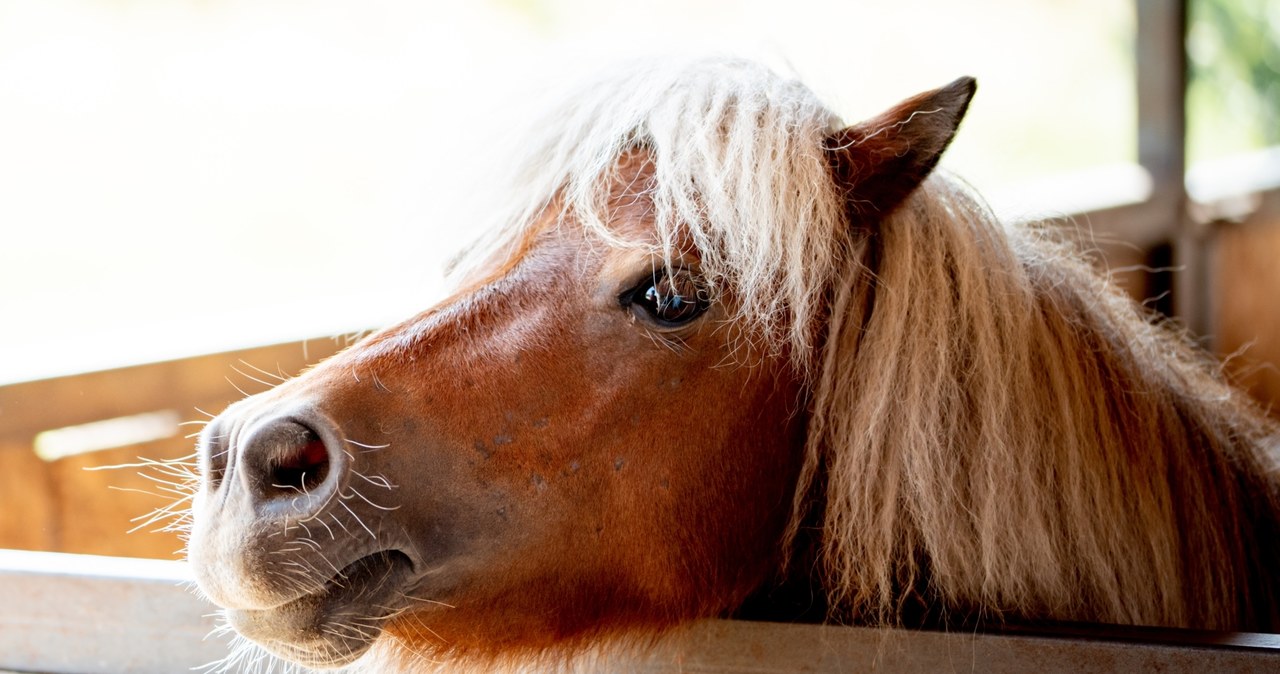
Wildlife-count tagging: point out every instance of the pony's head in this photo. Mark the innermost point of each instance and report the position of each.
(716, 332)
(602, 430)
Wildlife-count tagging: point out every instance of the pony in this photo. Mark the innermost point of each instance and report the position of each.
(724, 355)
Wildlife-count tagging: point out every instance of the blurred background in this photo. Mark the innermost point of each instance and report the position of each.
(189, 177)
(186, 176)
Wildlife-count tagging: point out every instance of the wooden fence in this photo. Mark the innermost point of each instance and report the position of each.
(74, 614)
(77, 502)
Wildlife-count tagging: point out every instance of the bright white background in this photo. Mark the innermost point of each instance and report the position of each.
(185, 176)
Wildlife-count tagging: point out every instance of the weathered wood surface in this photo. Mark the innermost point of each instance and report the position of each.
(769, 648)
(28, 408)
(1247, 307)
(76, 614)
(68, 505)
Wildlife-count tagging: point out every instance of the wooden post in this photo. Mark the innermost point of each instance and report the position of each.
(1162, 129)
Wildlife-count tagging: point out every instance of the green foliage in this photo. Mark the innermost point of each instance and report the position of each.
(1234, 87)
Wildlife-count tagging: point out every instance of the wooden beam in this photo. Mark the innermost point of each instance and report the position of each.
(1162, 129)
(77, 614)
(81, 614)
(28, 408)
(734, 647)
(1162, 84)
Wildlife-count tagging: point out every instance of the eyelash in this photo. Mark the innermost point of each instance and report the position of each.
(684, 303)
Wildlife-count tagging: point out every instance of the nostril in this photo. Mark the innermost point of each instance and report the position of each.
(284, 459)
(301, 467)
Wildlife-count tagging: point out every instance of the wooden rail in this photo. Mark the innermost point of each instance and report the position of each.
(65, 505)
(139, 616)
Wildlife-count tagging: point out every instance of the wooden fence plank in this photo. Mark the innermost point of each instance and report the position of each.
(1246, 319)
(76, 614)
(28, 513)
(28, 408)
(735, 647)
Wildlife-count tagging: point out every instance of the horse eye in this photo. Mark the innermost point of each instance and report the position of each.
(669, 300)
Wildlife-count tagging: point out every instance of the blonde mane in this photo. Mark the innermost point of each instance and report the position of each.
(1000, 431)
(994, 430)
(740, 172)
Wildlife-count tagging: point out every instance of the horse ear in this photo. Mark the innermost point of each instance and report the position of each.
(877, 163)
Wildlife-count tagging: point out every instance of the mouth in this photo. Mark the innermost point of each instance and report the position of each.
(336, 624)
